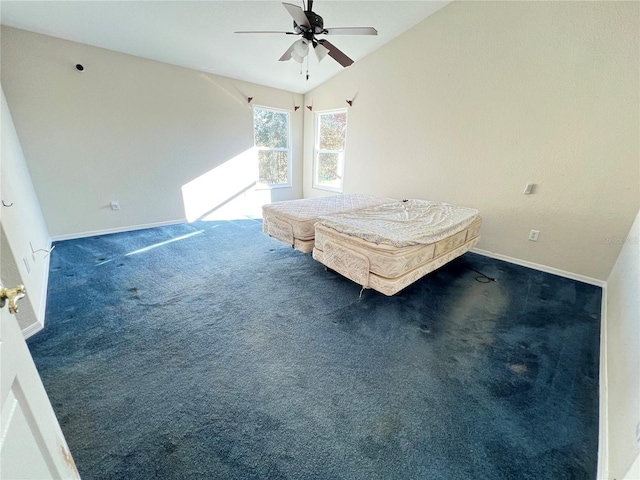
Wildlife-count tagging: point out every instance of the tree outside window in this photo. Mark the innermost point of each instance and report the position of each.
(331, 134)
(271, 138)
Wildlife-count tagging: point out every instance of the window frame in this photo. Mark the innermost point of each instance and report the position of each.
(268, 186)
(317, 151)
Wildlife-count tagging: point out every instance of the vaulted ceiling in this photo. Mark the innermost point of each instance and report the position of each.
(200, 34)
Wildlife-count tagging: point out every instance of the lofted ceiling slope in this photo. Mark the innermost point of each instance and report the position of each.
(200, 34)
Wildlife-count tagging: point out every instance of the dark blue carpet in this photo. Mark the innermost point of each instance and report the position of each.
(210, 350)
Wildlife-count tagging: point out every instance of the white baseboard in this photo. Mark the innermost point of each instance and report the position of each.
(32, 329)
(45, 287)
(107, 231)
(542, 268)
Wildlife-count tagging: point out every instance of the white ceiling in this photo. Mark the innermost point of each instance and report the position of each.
(199, 34)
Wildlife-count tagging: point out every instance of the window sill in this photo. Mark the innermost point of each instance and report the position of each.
(328, 189)
(272, 187)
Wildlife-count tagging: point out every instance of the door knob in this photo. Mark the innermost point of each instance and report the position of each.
(13, 295)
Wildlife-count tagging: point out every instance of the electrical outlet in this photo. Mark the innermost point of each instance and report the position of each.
(115, 205)
(533, 235)
(528, 189)
(26, 264)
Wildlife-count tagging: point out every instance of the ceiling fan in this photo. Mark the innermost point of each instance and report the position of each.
(308, 24)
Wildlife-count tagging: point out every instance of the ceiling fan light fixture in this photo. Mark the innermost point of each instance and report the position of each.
(321, 51)
(301, 47)
(296, 57)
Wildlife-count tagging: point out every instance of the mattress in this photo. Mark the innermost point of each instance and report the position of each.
(403, 222)
(384, 266)
(292, 221)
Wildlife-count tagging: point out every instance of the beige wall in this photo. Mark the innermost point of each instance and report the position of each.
(484, 97)
(132, 130)
(23, 227)
(623, 354)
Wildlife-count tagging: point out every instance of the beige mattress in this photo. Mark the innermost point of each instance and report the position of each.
(388, 268)
(292, 221)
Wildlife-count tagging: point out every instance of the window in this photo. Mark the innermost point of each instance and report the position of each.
(328, 165)
(271, 138)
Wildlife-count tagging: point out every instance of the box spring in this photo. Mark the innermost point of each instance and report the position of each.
(385, 268)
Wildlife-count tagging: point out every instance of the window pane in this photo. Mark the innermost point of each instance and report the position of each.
(329, 172)
(271, 128)
(333, 130)
(272, 167)
(271, 137)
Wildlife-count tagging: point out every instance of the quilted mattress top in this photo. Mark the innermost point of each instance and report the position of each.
(312, 208)
(402, 223)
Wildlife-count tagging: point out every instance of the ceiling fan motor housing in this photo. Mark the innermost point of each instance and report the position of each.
(316, 22)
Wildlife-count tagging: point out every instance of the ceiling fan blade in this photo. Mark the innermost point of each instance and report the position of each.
(266, 31)
(287, 55)
(336, 54)
(350, 31)
(298, 14)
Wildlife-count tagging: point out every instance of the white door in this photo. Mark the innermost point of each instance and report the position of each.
(32, 445)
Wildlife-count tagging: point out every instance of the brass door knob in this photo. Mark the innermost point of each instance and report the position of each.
(13, 295)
